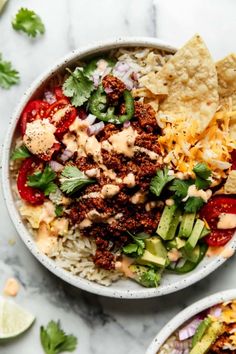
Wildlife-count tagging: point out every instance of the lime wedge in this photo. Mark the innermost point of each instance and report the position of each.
(2, 4)
(14, 320)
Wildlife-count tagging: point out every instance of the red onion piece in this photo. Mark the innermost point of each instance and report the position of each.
(90, 119)
(126, 124)
(189, 330)
(215, 311)
(56, 166)
(95, 128)
(66, 155)
(108, 90)
(49, 97)
(95, 79)
(122, 67)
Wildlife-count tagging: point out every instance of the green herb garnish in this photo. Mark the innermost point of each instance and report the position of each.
(73, 180)
(8, 75)
(203, 173)
(20, 153)
(59, 210)
(55, 341)
(136, 248)
(29, 22)
(78, 87)
(159, 181)
(43, 180)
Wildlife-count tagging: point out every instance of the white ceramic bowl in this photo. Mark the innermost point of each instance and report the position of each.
(186, 315)
(123, 288)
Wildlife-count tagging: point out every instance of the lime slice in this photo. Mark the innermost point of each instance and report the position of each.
(14, 320)
(2, 4)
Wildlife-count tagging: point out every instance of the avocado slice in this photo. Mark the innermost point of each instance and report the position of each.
(201, 329)
(155, 246)
(148, 258)
(174, 224)
(165, 228)
(186, 225)
(192, 254)
(205, 232)
(208, 339)
(176, 243)
(195, 235)
(148, 277)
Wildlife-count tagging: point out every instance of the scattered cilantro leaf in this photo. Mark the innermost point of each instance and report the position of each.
(72, 180)
(159, 181)
(43, 180)
(59, 210)
(180, 187)
(29, 22)
(202, 183)
(193, 204)
(20, 153)
(55, 341)
(78, 87)
(202, 170)
(8, 75)
(150, 278)
(136, 248)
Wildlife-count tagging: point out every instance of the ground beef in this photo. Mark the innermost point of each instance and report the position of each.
(146, 116)
(108, 130)
(217, 347)
(113, 87)
(85, 163)
(104, 259)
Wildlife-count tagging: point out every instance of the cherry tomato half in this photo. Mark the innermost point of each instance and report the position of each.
(211, 211)
(34, 110)
(29, 194)
(59, 93)
(233, 159)
(219, 237)
(62, 115)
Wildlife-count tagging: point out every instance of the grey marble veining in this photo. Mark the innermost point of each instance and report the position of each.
(102, 325)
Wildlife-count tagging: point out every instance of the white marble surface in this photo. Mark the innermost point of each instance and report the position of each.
(102, 325)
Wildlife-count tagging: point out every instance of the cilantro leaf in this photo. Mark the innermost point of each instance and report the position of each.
(29, 22)
(159, 181)
(55, 341)
(8, 75)
(20, 153)
(180, 187)
(59, 210)
(73, 180)
(136, 248)
(193, 204)
(43, 180)
(201, 170)
(150, 278)
(202, 183)
(78, 87)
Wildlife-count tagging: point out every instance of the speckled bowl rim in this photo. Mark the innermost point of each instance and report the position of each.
(25, 235)
(186, 314)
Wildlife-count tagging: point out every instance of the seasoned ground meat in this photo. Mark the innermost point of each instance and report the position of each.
(217, 347)
(113, 87)
(146, 116)
(104, 259)
(108, 130)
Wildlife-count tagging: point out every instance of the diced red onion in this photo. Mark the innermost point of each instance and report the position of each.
(122, 67)
(189, 330)
(66, 155)
(56, 166)
(90, 119)
(108, 90)
(215, 311)
(95, 79)
(49, 97)
(95, 128)
(126, 124)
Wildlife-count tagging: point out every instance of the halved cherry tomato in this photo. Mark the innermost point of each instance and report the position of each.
(34, 110)
(211, 211)
(59, 93)
(29, 194)
(62, 115)
(82, 113)
(219, 237)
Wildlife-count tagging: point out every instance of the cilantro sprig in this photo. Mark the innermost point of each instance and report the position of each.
(29, 22)
(78, 87)
(159, 181)
(20, 153)
(54, 340)
(43, 180)
(136, 248)
(203, 174)
(72, 180)
(8, 75)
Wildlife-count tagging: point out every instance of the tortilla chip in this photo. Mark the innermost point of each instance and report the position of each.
(191, 81)
(226, 71)
(150, 82)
